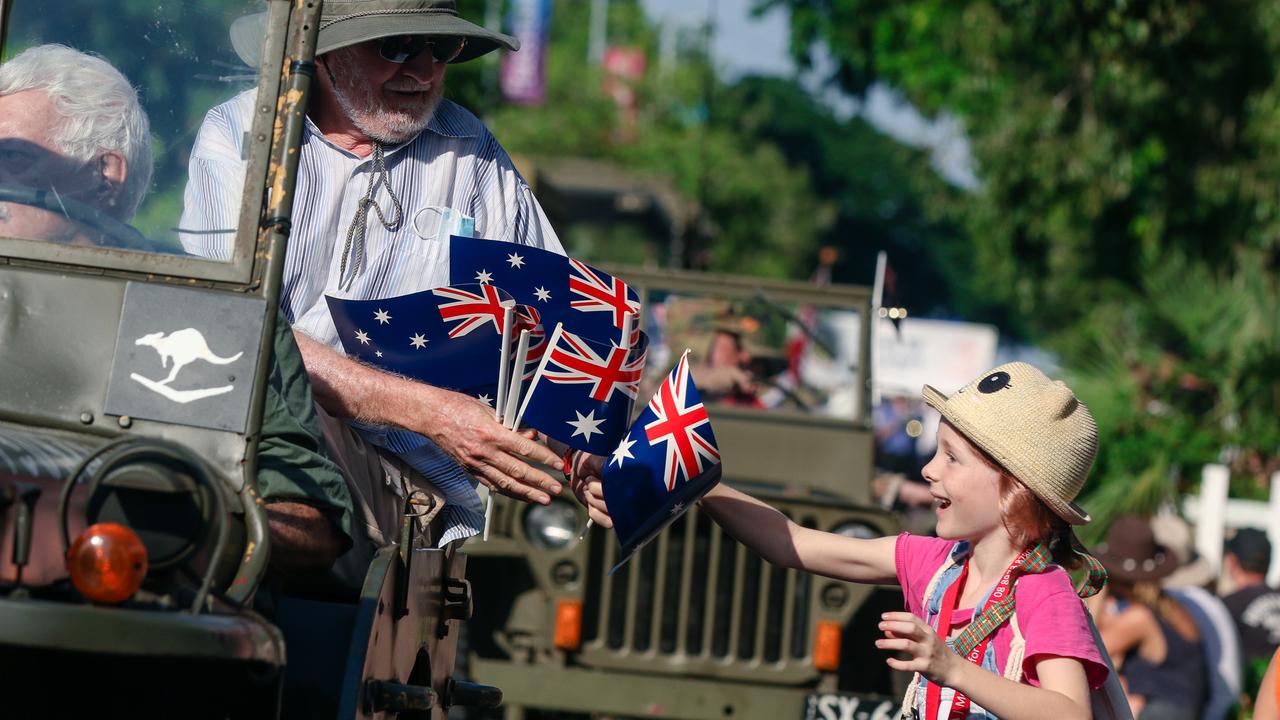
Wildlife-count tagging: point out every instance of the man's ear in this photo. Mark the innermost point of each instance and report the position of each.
(113, 169)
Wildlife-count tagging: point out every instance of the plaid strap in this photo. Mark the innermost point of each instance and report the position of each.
(994, 616)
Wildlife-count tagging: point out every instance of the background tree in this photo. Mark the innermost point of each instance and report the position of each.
(1127, 214)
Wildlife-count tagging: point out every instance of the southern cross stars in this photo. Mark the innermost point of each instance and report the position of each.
(484, 277)
(363, 337)
(485, 399)
(586, 425)
(515, 260)
(543, 294)
(419, 340)
(623, 452)
(382, 316)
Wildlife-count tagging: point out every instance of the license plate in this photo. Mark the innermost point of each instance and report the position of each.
(843, 706)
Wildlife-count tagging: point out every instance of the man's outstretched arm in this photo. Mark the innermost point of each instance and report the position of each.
(461, 426)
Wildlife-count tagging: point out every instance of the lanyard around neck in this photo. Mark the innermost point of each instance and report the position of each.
(1000, 606)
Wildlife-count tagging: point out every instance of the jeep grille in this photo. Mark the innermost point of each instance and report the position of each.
(699, 598)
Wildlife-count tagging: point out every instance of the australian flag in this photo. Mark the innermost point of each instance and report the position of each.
(450, 337)
(584, 390)
(666, 462)
(585, 300)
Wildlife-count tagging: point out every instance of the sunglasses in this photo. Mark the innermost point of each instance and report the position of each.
(401, 49)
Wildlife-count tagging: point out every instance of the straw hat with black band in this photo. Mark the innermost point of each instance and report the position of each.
(1034, 427)
(349, 22)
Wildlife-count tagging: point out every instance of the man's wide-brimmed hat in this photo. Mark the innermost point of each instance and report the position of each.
(1130, 552)
(349, 22)
(1034, 427)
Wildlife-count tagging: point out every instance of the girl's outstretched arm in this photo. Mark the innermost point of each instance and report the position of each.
(782, 542)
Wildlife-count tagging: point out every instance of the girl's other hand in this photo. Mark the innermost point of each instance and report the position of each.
(928, 653)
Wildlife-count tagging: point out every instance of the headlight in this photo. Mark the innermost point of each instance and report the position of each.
(551, 527)
(861, 531)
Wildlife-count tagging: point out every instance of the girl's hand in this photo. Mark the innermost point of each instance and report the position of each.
(929, 655)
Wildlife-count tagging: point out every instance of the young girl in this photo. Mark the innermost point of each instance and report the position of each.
(1014, 448)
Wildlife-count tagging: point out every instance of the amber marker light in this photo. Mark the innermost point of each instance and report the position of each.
(107, 563)
(568, 624)
(826, 646)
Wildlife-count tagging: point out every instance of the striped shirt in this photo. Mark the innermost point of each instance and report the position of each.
(453, 170)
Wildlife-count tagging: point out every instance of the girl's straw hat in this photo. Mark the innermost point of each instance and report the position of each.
(1032, 426)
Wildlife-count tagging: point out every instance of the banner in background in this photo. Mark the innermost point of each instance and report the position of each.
(524, 73)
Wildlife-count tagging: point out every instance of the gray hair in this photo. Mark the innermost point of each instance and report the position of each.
(99, 108)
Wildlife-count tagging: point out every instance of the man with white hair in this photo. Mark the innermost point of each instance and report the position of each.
(387, 172)
(71, 125)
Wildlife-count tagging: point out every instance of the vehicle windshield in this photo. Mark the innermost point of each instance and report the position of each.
(80, 162)
(759, 353)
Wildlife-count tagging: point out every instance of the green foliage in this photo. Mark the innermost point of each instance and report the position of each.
(760, 214)
(1128, 153)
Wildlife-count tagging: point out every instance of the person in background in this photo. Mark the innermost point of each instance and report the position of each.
(71, 126)
(1253, 604)
(81, 109)
(1188, 585)
(1153, 641)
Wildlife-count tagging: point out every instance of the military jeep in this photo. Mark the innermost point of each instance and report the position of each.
(134, 543)
(694, 625)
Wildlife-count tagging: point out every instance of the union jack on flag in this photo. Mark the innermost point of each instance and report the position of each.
(586, 300)
(600, 292)
(528, 318)
(434, 336)
(678, 414)
(575, 360)
(471, 308)
(584, 390)
(667, 461)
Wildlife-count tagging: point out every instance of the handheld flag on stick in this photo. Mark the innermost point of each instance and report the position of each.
(666, 462)
(583, 391)
(450, 337)
(587, 301)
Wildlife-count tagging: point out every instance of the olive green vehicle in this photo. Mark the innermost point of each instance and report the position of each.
(133, 380)
(694, 625)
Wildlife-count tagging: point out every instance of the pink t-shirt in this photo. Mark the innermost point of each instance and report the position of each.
(1050, 614)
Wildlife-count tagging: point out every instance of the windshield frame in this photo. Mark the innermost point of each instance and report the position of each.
(240, 270)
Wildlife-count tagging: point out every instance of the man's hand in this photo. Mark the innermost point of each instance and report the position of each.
(461, 426)
(465, 429)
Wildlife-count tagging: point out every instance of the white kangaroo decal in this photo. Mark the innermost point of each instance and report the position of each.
(182, 347)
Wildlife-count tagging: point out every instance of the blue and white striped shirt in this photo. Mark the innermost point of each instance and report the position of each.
(453, 167)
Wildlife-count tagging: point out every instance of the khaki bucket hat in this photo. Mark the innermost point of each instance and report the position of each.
(349, 22)
(1032, 426)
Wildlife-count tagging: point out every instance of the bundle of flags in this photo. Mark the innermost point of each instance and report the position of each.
(552, 343)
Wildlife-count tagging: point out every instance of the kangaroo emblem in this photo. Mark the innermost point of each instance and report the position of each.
(181, 348)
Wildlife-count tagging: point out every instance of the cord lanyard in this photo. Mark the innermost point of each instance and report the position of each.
(960, 704)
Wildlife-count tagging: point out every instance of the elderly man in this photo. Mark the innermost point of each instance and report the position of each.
(102, 161)
(388, 171)
(72, 124)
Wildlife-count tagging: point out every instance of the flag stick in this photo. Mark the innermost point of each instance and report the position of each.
(877, 298)
(517, 379)
(542, 365)
(627, 323)
(505, 360)
(628, 320)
